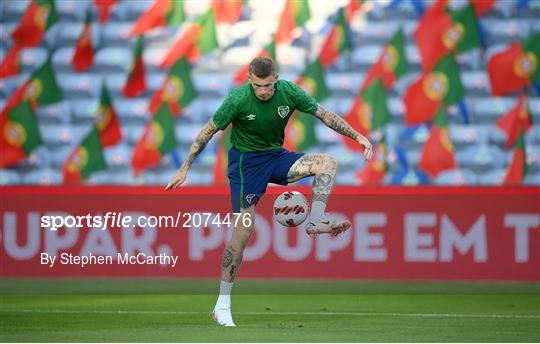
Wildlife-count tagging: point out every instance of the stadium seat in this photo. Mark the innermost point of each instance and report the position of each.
(113, 60)
(38, 158)
(533, 135)
(493, 177)
(408, 177)
(72, 10)
(80, 86)
(375, 33)
(13, 10)
(414, 137)
(69, 33)
(364, 56)
(482, 158)
(61, 60)
(199, 111)
(213, 84)
(132, 111)
(43, 176)
(467, 135)
(532, 179)
(489, 109)
(186, 134)
(533, 157)
(457, 177)
(33, 58)
(504, 31)
(58, 113)
(133, 132)
(118, 156)
(84, 110)
(9, 177)
(60, 154)
(10, 85)
(56, 135)
(476, 83)
(115, 82)
(115, 34)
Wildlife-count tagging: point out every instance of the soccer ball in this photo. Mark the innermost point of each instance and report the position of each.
(291, 208)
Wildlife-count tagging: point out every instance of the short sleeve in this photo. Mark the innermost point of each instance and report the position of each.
(304, 102)
(226, 113)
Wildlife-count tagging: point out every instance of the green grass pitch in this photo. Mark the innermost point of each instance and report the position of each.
(168, 310)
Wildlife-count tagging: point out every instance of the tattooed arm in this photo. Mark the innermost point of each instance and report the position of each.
(338, 124)
(196, 148)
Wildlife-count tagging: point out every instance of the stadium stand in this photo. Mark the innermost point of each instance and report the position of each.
(482, 158)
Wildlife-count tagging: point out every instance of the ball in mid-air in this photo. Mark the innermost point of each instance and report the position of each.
(291, 208)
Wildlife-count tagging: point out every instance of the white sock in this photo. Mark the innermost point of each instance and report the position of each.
(224, 299)
(317, 211)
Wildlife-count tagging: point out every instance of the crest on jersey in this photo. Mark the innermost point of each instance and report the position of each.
(283, 111)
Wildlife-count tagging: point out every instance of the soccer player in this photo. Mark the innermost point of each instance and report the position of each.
(259, 111)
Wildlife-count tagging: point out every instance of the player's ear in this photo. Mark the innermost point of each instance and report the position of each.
(276, 76)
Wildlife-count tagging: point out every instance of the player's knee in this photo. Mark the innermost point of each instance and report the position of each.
(330, 163)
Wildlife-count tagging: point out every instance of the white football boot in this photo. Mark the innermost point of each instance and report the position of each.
(223, 317)
(327, 225)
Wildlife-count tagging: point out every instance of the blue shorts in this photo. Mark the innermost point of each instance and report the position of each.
(250, 172)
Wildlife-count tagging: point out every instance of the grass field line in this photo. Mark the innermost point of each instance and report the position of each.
(323, 313)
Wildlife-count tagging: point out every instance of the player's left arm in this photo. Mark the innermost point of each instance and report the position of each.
(338, 124)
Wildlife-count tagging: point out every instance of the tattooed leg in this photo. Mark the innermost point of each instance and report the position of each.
(324, 168)
(232, 255)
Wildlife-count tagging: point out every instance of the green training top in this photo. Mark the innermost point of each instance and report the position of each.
(260, 125)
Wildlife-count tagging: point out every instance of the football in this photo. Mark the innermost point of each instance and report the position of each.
(291, 208)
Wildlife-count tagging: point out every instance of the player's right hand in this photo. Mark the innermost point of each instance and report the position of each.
(178, 179)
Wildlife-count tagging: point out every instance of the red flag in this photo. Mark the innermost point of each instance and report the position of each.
(161, 13)
(11, 65)
(511, 69)
(392, 62)
(433, 25)
(518, 167)
(423, 97)
(176, 91)
(337, 41)
(104, 8)
(295, 14)
(516, 120)
(39, 16)
(199, 38)
(438, 152)
(157, 140)
(352, 7)
(228, 11)
(107, 123)
(83, 58)
(482, 6)
(136, 80)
